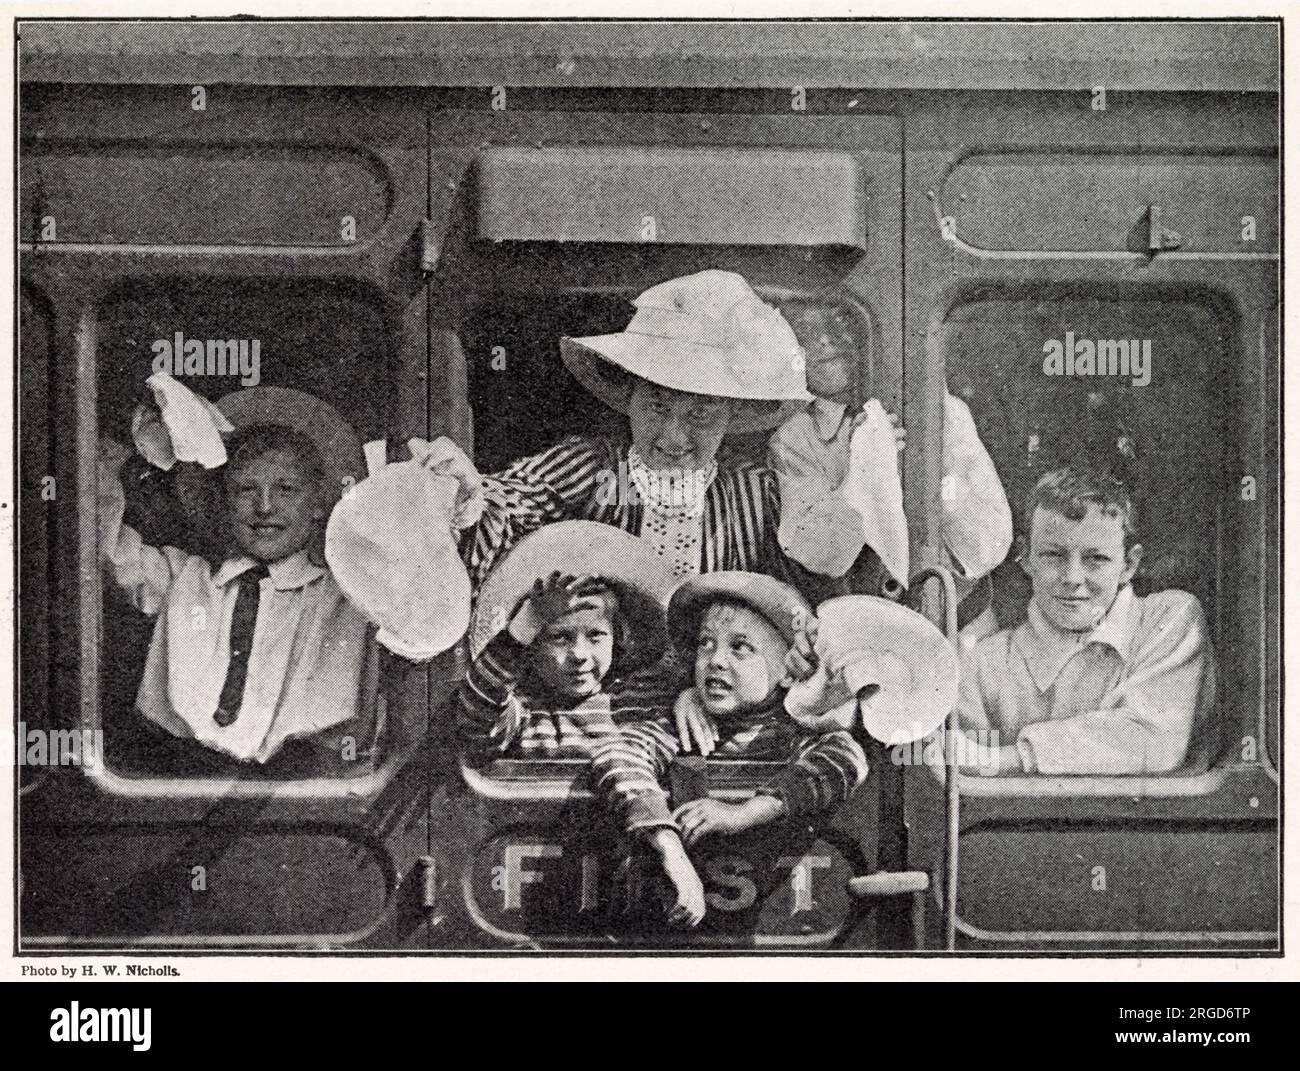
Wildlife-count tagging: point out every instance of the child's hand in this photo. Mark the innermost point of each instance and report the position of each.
(895, 424)
(688, 906)
(708, 817)
(550, 599)
(555, 596)
(802, 661)
(694, 725)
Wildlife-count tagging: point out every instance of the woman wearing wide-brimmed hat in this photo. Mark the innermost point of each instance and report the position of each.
(704, 357)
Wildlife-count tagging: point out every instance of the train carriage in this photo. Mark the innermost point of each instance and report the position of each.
(403, 219)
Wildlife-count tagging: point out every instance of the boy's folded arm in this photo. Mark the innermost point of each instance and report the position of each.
(626, 769)
(144, 573)
(824, 772)
(1144, 726)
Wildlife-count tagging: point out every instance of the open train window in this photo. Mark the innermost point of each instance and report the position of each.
(525, 399)
(329, 341)
(1166, 425)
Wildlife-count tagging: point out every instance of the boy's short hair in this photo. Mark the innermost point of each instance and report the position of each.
(1071, 491)
(257, 440)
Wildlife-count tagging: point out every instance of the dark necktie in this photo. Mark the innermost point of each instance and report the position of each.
(242, 623)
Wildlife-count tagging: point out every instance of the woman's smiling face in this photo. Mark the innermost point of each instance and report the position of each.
(674, 430)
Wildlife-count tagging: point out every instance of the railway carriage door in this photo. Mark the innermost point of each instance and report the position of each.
(547, 226)
(235, 237)
(1143, 240)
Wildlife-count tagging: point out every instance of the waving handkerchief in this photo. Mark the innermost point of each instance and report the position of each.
(185, 427)
(873, 489)
(881, 662)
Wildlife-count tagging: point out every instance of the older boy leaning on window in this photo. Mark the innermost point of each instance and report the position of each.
(1099, 680)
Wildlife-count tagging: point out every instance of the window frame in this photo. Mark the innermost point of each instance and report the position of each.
(1223, 301)
(562, 786)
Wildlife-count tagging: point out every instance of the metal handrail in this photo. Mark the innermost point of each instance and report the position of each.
(951, 797)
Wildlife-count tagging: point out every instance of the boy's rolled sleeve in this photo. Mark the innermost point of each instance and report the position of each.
(142, 572)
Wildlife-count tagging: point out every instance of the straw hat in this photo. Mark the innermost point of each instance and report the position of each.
(707, 333)
(906, 665)
(336, 442)
(581, 548)
(783, 607)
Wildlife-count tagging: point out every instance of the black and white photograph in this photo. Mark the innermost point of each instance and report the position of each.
(666, 488)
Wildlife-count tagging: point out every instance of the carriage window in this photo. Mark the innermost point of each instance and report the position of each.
(225, 648)
(1144, 388)
(526, 400)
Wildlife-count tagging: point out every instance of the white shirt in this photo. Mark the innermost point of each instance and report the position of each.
(1120, 699)
(309, 643)
(819, 529)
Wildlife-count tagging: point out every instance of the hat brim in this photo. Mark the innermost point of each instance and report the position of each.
(590, 359)
(580, 548)
(411, 584)
(336, 442)
(783, 607)
(914, 663)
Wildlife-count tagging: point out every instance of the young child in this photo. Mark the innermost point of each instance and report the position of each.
(1098, 680)
(261, 649)
(737, 628)
(538, 688)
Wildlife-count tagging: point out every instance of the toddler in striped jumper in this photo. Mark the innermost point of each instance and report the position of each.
(738, 629)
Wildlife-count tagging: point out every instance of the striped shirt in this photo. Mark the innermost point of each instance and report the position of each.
(819, 772)
(589, 479)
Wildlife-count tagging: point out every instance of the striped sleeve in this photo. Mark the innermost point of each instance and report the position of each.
(554, 485)
(626, 769)
(823, 772)
(488, 716)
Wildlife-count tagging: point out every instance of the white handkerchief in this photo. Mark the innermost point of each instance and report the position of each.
(872, 487)
(190, 429)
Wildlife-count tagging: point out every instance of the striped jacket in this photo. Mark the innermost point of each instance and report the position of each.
(819, 772)
(585, 479)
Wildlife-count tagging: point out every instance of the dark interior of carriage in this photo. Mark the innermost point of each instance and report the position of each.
(327, 340)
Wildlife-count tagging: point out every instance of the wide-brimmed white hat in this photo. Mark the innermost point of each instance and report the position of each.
(706, 333)
(339, 448)
(581, 548)
(889, 662)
